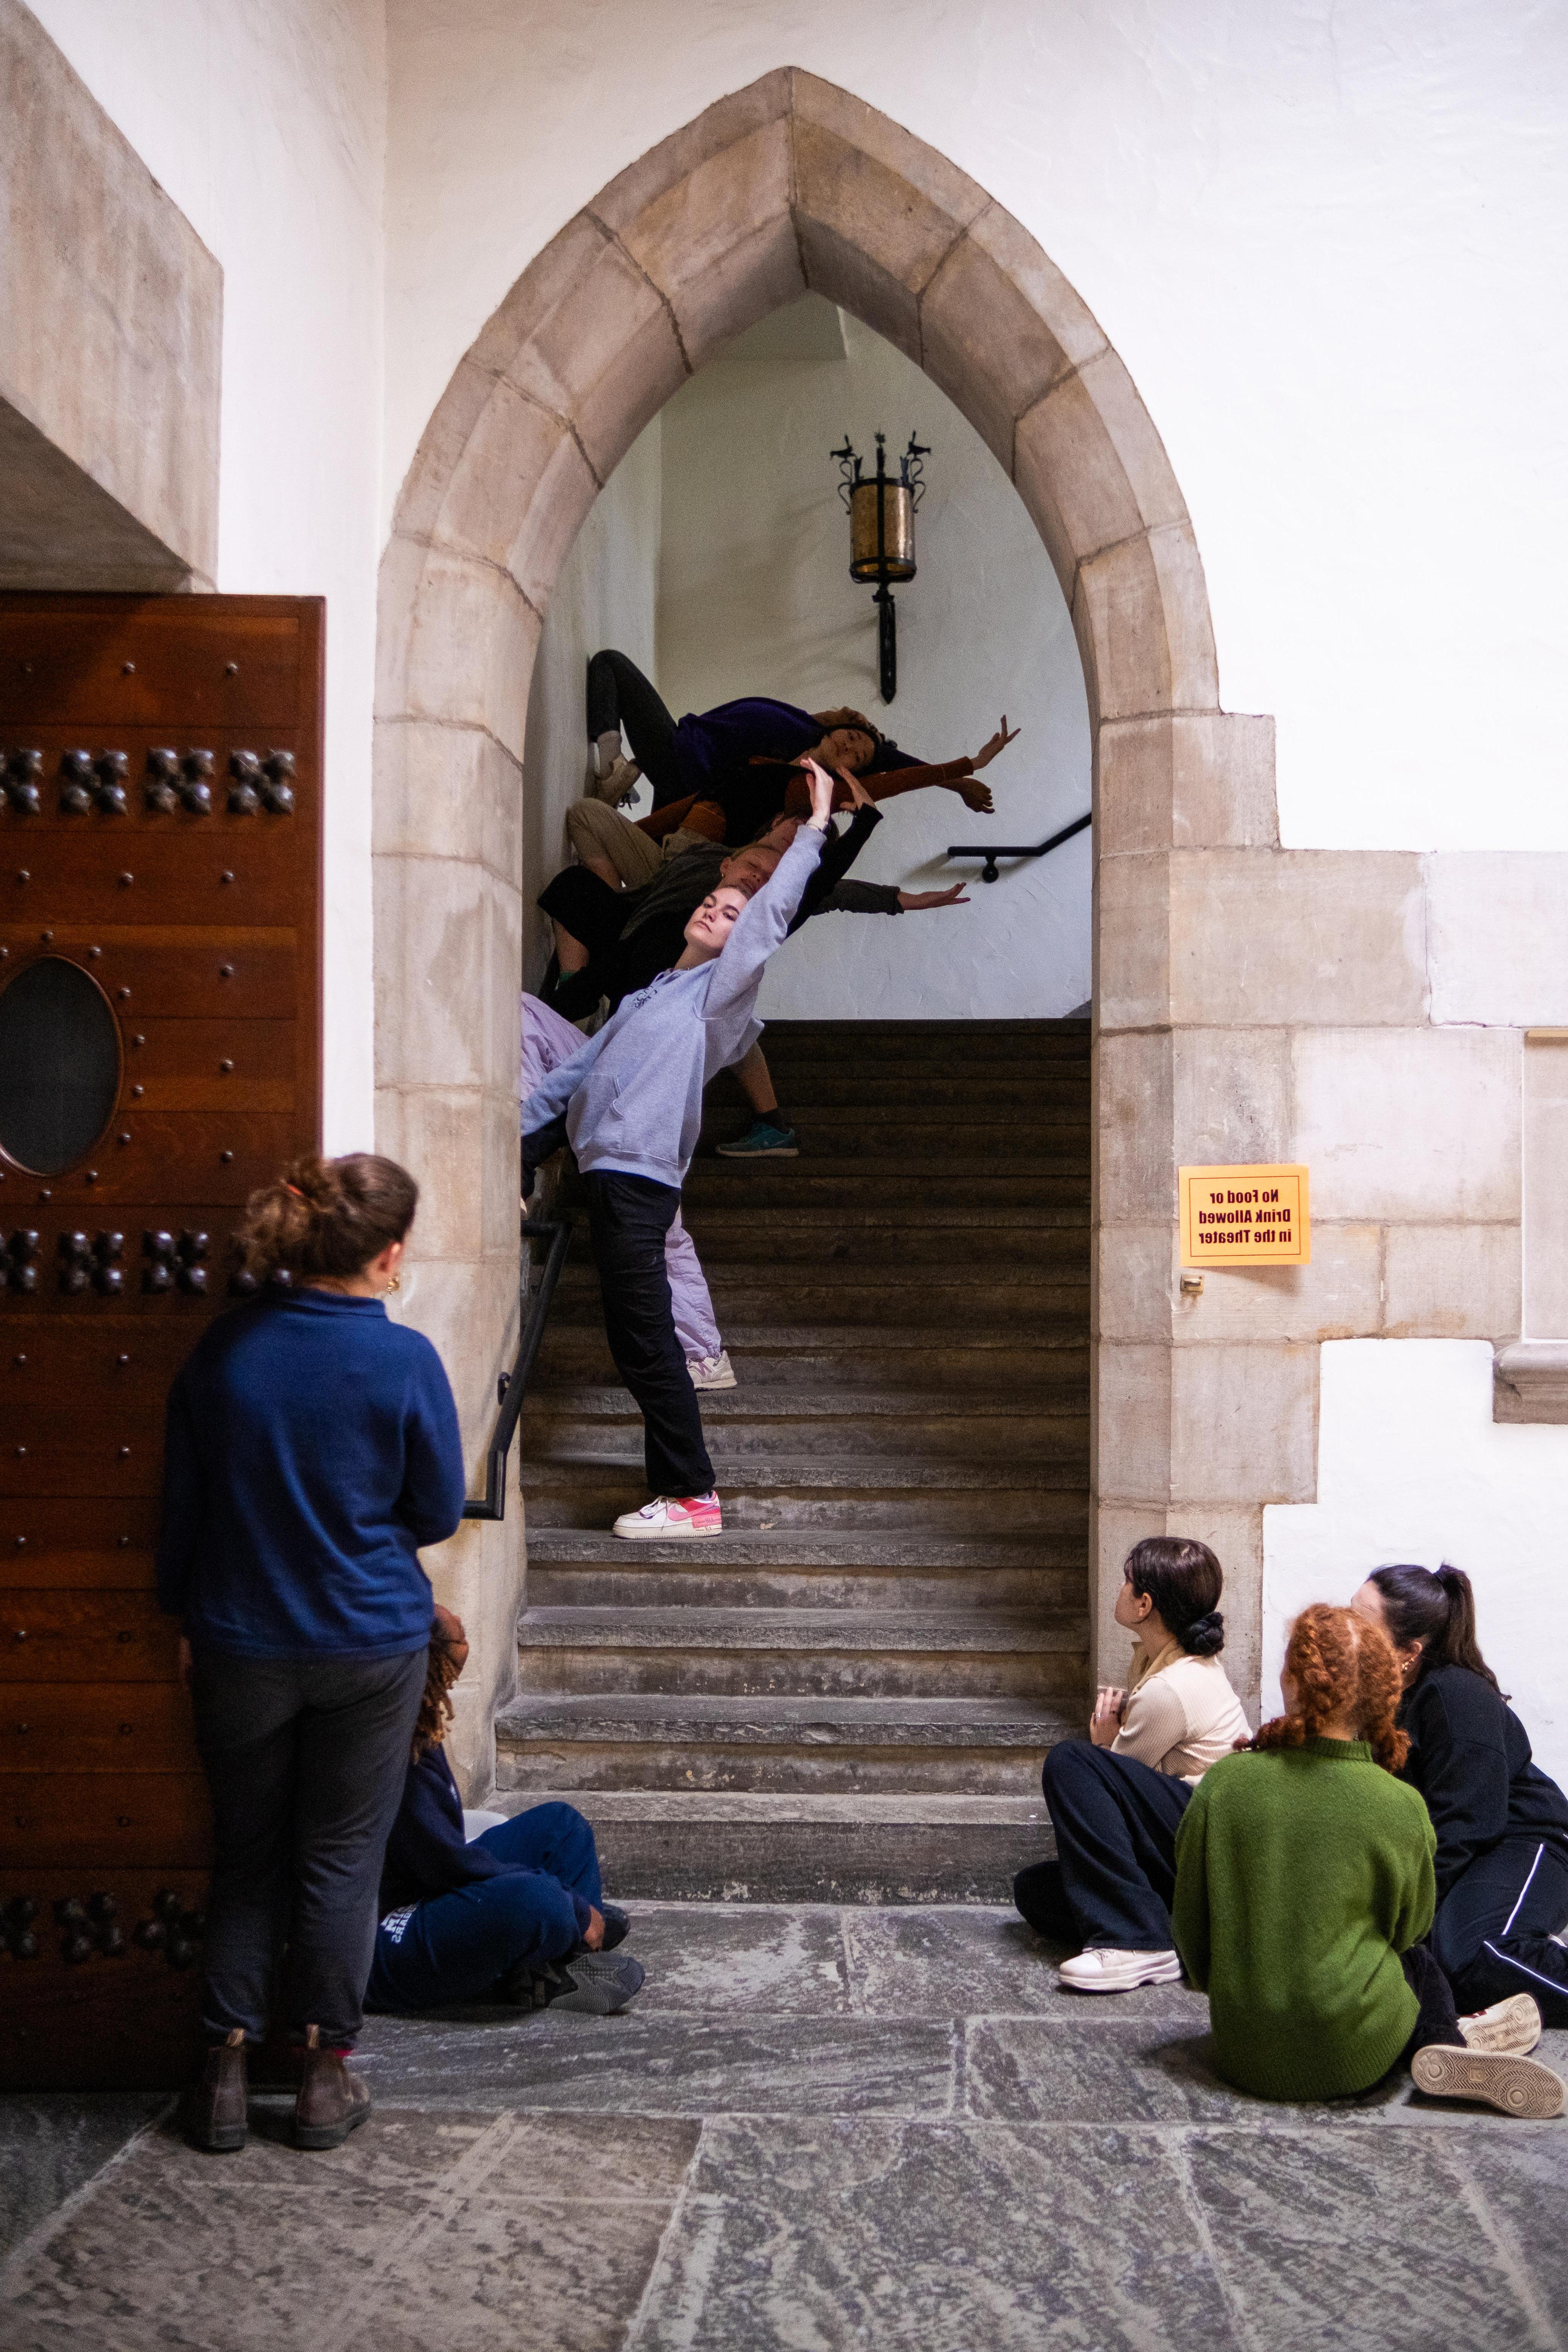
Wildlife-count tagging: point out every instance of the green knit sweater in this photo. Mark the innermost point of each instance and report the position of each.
(1301, 1874)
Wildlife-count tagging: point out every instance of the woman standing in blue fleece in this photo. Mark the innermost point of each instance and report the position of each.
(630, 1104)
(312, 1448)
(514, 1915)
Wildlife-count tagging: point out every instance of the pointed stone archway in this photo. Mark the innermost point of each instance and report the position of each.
(791, 184)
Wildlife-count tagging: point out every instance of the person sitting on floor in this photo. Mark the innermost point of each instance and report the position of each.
(1502, 1825)
(1304, 1887)
(547, 1042)
(1117, 1798)
(515, 1915)
(708, 755)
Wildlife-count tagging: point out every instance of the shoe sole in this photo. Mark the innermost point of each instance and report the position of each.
(709, 1387)
(665, 1535)
(601, 1994)
(314, 2136)
(1514, 2086)
(1126, 1984)
(1514, 2034)
(228, 2143)
(774, 1152)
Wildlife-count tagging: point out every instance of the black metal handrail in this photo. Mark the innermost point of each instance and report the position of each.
(1037, 849)
(514, 1385)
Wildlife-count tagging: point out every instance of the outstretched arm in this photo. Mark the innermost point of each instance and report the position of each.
(764, 923)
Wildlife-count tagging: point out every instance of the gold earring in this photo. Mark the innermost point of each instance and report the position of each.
(396, 1282)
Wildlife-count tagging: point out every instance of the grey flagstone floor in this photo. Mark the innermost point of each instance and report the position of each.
(815, 2129)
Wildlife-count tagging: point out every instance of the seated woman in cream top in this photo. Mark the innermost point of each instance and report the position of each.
(1117, 1798)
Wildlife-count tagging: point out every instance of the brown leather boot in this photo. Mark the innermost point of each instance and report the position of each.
(333, 2101)
(214, 2108)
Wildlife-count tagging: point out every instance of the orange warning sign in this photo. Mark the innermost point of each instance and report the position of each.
(1245, 1216)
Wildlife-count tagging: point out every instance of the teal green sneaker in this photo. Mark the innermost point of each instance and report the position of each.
(762, 1140)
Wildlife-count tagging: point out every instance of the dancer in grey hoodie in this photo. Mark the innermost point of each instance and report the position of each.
(630, 1104)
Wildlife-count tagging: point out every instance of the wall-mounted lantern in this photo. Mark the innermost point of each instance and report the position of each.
(882, 537)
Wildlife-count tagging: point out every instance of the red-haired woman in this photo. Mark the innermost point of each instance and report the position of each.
(1304, 1887)
(1502, 1823)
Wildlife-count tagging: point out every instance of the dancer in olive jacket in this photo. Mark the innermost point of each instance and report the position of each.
(1304, 1886)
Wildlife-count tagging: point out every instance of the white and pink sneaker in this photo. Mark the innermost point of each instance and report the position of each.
(671, 1518)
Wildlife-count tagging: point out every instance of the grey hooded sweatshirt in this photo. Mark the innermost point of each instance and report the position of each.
(632, 1097)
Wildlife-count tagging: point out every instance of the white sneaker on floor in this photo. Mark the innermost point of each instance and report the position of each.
(672, 1517)
(711, 1371)
(1514, 2086)
(1510, 2027)
(1097, 1970)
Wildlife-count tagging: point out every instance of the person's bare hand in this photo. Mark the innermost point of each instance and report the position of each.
(998, 742)
(594, 1933)
(859, 796)
(823, 786)
(912, 901)
(184, 1663)
(976, 795)
(1105, 1721)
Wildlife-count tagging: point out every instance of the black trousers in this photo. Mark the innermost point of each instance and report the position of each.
(305, 1759)
(1115, 1873)
(1438, 2020)
(619, 696)
(1494, 1929)
(630, 1216)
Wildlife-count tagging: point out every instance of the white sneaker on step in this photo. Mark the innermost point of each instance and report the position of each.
(711, 1371)
(1099, 1971)
(1511, 2027)
(672, 1517)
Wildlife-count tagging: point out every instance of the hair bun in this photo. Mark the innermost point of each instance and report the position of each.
(1205, 1637)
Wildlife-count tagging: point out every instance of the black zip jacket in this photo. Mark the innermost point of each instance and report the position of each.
(1470, 1757)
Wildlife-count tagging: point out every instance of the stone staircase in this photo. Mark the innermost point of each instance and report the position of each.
(846, 1697)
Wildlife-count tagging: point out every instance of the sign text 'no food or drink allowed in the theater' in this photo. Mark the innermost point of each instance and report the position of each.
(1245, 1216)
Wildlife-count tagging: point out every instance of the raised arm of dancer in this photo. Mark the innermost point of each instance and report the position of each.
(764, 924)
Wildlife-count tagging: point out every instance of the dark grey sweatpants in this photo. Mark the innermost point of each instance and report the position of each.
(305, 1759)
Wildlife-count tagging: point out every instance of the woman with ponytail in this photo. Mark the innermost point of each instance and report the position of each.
(1502, 1825)
(311, 1449)
(1304, 1888)
(1117, 1798)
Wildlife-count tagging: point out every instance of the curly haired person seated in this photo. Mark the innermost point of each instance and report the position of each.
(515, 1915)
(1305, 1887)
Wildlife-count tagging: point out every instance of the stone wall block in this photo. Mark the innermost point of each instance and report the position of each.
(871, 238)
(719, 243)
(1203, 780)
(430, 962)
(836, 267)
(1119, 617)
(1244, 1425)
(1135, 1286)
(1497, 921)
(1452, 1282)
(1132, 1424)
(1269, 937)
(446, 792)
(1092, 441)
(441, 447)
(991, 351)
(1231, 1096)
(692, 152)
(1338, 1296)
(522, 331)
(1189, 630)
(1235, 1535)
(1409, 1126)
(1134, 942)
(438, 1133)
(496, 1014)
(605, 355)
(470, 649)
(556, 511)
(822, 107)
(496, 479)
(1115, 1528)
(480, 1575)
(1135, 1170)
(468, 1310)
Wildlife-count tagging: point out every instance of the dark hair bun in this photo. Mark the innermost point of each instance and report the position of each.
(1205, 1637)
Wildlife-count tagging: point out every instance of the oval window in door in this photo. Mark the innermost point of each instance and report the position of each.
(60, 1065)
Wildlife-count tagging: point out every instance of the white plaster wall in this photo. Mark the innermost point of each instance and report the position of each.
(1411, 1466)
(606, 596)
(756, 598)
(1320, 237)
(267, 124)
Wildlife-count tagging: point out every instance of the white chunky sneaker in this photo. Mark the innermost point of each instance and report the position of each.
(1510, 2027)
(711, 1371)
(1096, 1970)
(1515, 2086)
(671, 1518)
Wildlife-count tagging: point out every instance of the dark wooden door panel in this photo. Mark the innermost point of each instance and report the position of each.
(70, 1727)
(160, 828)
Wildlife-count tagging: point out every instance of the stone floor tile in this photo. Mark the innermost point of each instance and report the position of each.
(1364, 2241)
(662, 2066)
(920, 2237)
(959, 1960)
(1034, 2070)
(1520, 2177)
(762, 1960)
(52, 2142)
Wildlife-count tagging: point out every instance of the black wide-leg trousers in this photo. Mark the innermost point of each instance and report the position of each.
(1114, 1877)
(619, 696)
(630, 1216)
(1496, 1929)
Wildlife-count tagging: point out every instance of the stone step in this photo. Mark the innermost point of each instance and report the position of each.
(866, 1297)
(703, 1846)
(946, 1498)
(570, 1422)
(788, 1356)
(587, 1568)
(847, 1183)
(1002, 1042)
(875, 1746)
(733, 1239)
(764, 1652)
(1058, 1140)
(943, 1085)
